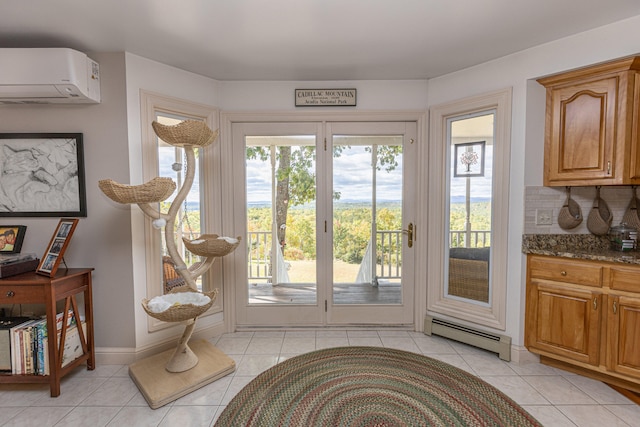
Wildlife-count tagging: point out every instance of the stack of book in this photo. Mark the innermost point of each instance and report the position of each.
(29, 345)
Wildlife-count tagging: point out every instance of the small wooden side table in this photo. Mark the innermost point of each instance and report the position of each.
(32, 288)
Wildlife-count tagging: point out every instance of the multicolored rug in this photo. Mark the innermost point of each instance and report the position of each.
(370, 386)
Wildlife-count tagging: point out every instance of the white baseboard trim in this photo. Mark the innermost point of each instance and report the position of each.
(521, 355)
(128, 355)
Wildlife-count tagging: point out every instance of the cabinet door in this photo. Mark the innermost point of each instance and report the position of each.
(635, 129)
(623, 350)
(563, 321)
(581, 133)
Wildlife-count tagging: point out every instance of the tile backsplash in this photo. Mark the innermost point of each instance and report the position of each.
(552, 199)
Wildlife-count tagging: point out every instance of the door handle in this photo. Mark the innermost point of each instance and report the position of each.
(409, 232)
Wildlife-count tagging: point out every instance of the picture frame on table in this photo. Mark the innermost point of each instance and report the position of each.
(42, 175)
(57, 246)
(11, 238)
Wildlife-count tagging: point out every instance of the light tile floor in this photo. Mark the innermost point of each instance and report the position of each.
(108, 397)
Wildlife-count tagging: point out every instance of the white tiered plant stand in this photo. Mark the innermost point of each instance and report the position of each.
(169, 375)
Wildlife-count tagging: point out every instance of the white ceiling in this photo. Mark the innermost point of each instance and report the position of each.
(306, 39)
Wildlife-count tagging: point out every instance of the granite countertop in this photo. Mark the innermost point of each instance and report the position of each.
(581, 246)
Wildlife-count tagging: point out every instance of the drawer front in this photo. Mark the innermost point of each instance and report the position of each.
(625, 279)
(21, 294)
(565, 270)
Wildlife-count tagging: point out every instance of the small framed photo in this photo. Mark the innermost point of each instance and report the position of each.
(57, 246)
(11, 237)
(469, 159)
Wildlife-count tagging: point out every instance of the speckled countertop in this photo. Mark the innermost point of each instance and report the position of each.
(582, 246)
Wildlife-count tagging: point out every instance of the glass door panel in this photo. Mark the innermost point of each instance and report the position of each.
(172, 164)
(281, 219)
(371, 209)
(470, 201)
(367, 219)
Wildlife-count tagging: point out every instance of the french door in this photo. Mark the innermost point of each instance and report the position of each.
(327, 216)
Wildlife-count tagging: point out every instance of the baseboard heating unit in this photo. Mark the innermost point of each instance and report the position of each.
(495, 343)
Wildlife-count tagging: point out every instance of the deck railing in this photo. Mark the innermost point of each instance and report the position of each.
(259, 251)
(470, 239)
(388, 251)
(389, 254)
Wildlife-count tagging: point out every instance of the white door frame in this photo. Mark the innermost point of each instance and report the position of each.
(227, 119)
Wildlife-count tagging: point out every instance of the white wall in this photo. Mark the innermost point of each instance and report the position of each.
(518, 70)
(151, 76)
(103, 239)
(279, 96)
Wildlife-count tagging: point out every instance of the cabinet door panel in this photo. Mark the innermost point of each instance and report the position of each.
(583, 131)
(635, 130)
(564, 321)
(624, 336)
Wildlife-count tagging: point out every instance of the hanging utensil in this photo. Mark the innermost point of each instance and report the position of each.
(600, 217)
(631, 217)
(570, 215)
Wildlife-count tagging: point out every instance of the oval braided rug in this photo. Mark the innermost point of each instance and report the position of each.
(370, 386)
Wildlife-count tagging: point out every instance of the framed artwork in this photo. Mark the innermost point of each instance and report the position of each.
(11, 237)
(42, 175)
(57, 246)
(469, 159)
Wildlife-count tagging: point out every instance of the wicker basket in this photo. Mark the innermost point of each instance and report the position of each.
(188, 132)
(156, 190)
(182, 312)
(209, 245)
(570, 215)
(599, 220)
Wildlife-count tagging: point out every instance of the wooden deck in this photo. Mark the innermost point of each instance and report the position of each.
(344, 293)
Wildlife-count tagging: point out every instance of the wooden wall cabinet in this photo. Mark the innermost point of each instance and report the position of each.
(584, 316)
(591, 129)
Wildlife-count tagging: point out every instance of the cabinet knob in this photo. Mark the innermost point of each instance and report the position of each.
(563, 273)
(10, 294)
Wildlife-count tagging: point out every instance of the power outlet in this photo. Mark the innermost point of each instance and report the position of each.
(544, 217)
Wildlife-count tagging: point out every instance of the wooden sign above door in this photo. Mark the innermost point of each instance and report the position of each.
(325, 97)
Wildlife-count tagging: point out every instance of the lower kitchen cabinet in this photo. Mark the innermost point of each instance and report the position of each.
(584, 316)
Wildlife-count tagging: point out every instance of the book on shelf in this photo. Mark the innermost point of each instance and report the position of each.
(29, 349)
(60, 316)
(72, 344)
(6, 337)
(19, 348)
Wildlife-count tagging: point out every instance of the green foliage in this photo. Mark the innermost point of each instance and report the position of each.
(302, 179)
(387, 156)
(351, 229)
(479, 216)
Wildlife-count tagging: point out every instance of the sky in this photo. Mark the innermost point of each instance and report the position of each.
(353, 176)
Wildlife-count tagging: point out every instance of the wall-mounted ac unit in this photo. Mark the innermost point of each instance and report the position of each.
(48, 76)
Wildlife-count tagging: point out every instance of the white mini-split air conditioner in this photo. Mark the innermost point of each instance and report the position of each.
(48, 76)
